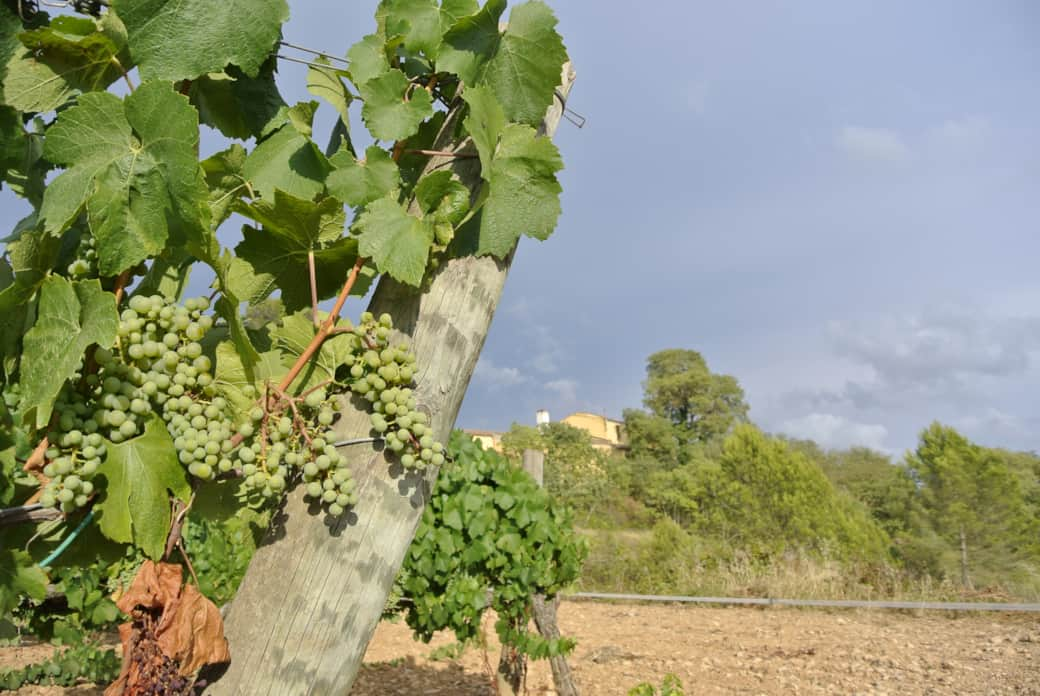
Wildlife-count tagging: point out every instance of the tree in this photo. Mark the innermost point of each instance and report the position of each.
(702, 405)
(574, 471)
(973, 501)
(651, 437)
(888, 490)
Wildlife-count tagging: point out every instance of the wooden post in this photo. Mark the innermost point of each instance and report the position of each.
(312, 597)
(544, 614)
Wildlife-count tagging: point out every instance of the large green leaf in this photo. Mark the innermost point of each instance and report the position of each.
(368, 59)
(443, 198)
(523, 195)
(484, 122)
(326, 82)
(19, 577)
(398, 242)
(234, 379)
(294, 335)
(134, 164)
(66, 57)
(276, 257)
(418, 22)
(226, 181)
(288, 159)
(237, 105)
(141, 474)
(394, 107)
(520, 65)
(360, 182)
(178, 39)
(72, 316)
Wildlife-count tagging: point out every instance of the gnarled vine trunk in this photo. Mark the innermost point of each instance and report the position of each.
(315, 590)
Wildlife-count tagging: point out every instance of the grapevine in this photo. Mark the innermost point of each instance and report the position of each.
(126, 406)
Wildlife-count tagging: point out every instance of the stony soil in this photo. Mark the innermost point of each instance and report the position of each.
(722, 651)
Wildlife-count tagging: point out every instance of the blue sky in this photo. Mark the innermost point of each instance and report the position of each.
(837, 203)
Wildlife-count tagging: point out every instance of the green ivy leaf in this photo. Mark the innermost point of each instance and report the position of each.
(72, 316)
(19, 577)
(142, 473)
(237, 105)
(288, 159)
(392, 110)
(520, 65)
(398, 242)
(69, 56)
(360, 182)
(233, 32)
(135, 166)
(523, 195)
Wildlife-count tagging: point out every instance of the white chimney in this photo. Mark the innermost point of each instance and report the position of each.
(541, 417)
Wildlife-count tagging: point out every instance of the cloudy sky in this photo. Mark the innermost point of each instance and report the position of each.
(837, 203)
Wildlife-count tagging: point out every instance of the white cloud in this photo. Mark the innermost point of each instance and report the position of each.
(495, 377)
(833, 431)
(872, 144)
(567, 389)
(961, 136)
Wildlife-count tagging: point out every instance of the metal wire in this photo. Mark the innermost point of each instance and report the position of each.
(323, 54)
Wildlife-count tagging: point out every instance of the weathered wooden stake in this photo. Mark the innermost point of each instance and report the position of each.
(315, 590)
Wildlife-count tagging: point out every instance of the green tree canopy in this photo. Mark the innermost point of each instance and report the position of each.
(702, 405)
(574, 470)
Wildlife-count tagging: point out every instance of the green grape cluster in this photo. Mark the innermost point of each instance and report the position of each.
(296, 438)
(85, 263)
(157, 366)
(381, 374)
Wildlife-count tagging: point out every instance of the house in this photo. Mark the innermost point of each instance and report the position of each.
(607, 434)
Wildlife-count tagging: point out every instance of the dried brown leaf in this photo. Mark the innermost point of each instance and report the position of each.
(192, 632)
(155, 586)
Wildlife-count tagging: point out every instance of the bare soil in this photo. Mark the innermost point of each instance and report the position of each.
(718, 651)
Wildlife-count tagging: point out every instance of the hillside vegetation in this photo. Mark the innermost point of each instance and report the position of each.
(704, 502)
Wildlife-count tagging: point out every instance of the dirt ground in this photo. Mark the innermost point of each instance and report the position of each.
(721, 651)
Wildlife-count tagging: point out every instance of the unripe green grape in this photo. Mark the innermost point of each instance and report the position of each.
(437, 459)
(407, 461)
(48, 500)
(357, 370)
(285, 425)
(342, 501)
(325, 417)
(314, 398)
(128, 429)
(246, 455)
(314, 489)
(336, 510)
(86, 487)
(66, 496)
(245, 430)
(426, 454)
(329, 496)
(318, 444)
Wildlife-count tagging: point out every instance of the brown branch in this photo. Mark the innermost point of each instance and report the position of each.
(120, 286)
(187, 561)
(180, 512)
(324, 329)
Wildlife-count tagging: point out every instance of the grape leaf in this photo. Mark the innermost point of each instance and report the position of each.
(391, 112)
(311, 223)
(276, 257)
(454, 10)
(523, 195)
(234, 380)
(134, 164)
(237, 105)
(360, 182)
(520, 65)
(225, 180)
(69, 56)
(233, 32)
(326, 83)
(471, 42)
(72, 316)
(21, 156)
(398, 242)
(418, 22)
(288, 159)
(19, 577)
(484, 123)
(442, 197)
(141, 474)
(12, 140)
(368, 59)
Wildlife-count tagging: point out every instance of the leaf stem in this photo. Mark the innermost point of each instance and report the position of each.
(314, 287)
(444, 153)
(126, 75)
(120, 285)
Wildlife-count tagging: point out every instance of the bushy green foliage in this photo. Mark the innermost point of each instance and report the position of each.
(670, 686)
(490, 537)
(84, 663)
